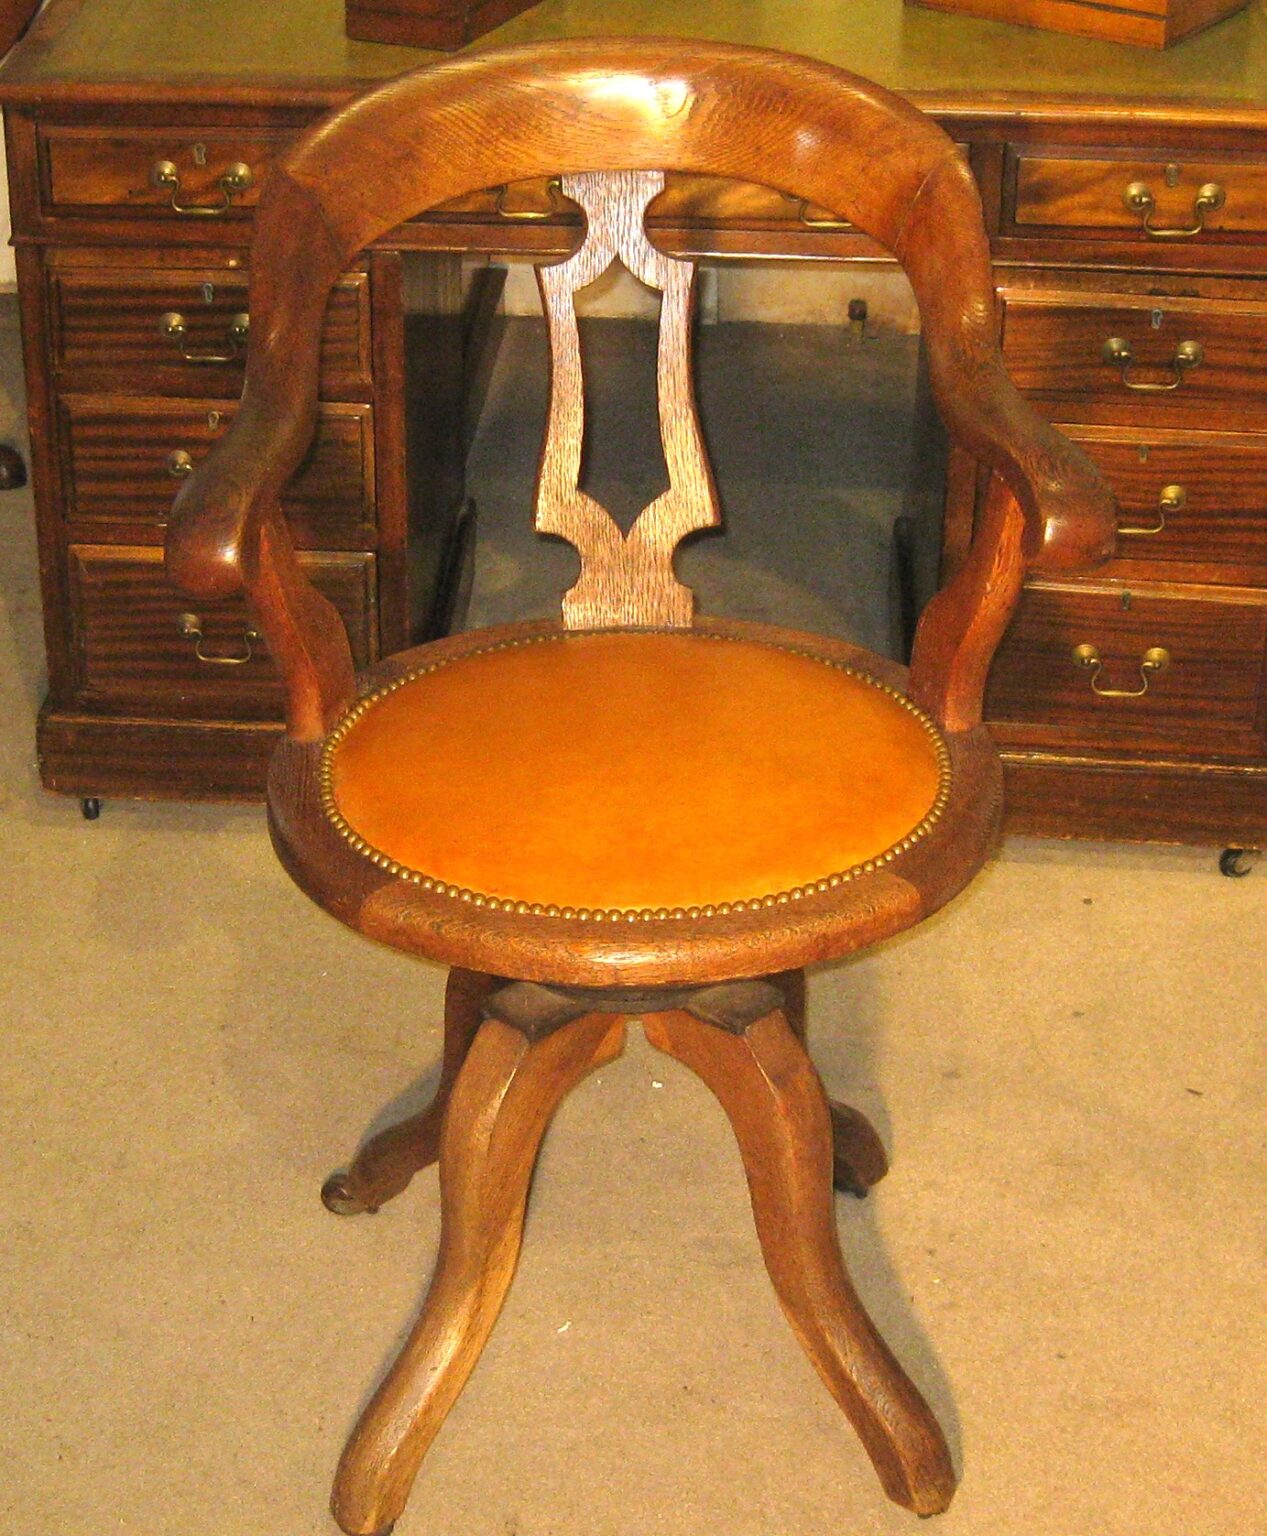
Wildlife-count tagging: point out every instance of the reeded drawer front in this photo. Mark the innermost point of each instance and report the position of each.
(184, 331)
(1204, 698)
(182, 172)
(1137, 359)
(1163, 201)
(141, 644)
(1194, 500)
(126, 460)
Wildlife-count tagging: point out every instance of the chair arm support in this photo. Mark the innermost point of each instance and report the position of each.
(1070, 516)
(227, 535)
(1046, 509)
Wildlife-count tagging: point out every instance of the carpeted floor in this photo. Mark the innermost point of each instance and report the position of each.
(1068, 1067)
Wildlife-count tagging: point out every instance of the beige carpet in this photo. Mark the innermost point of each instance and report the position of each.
(1068, 1067)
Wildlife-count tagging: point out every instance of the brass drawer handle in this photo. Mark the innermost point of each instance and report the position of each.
(1139, 198)
(1117, 353)
(165, 175)
(1173, 498)
(1154, 660)
(803, 214)
(190, 626)
(172, 325)
(179, 465)
(554, 190)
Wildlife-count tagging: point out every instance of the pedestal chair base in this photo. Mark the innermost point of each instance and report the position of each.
(512, 1052)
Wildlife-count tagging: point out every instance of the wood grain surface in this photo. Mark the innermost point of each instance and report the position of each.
(626, 578)
(766, 1084)
(505, 1093)
(730, 113)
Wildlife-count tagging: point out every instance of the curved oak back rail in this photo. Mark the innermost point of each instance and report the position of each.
(635, 811)
(804, 128)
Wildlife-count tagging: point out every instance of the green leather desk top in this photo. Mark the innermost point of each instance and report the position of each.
(936, 58)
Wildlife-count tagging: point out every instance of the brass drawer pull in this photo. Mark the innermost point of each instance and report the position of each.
(1139, 198)
(803, 214)
(1173, 498)
(166, 176)
(190, 626)
(1117, 353)
(1154, 660)
(172, 325)
(554, 189)
(179, 465)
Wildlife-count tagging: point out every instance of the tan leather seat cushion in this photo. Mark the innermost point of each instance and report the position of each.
(627, 770)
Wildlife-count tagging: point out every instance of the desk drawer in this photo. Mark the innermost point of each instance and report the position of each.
(130, 650)
(126, 459)
(179, 173)
(686, 199)
(183, 331)
(1196, 501)
(1137, 359)
(1207, 700)
(1113, 193)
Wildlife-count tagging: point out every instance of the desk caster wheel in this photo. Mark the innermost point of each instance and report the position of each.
(339, 1199)
(91, 808)
(1236, 863)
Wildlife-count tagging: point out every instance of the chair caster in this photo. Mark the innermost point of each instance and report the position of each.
(339, 1199)
(91, 807)
(1236, 863)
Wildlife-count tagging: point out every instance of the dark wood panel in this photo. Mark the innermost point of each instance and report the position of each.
(131, 653)
(1055, 348)
(154, 759)
(109, 331)
(1194, 506)
(126, 459)
(1208, 701)
(1046, 796)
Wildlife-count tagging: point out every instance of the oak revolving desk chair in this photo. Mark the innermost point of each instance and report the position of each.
(633, 811)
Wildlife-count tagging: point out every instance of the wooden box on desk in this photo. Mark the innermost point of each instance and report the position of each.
(428, 23)
(1149, 23)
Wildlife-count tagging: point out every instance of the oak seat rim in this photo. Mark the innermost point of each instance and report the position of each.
(820, 926)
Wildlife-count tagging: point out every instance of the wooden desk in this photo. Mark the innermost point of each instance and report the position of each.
(102, 91)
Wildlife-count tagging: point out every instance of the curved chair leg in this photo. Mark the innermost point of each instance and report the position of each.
(768, 1087)
(859, 1157)
(505, 1094)
(386, 1163)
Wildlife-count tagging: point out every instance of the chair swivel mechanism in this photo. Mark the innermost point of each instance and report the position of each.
(632, 811)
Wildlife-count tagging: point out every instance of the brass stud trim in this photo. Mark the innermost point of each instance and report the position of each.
(521, 908)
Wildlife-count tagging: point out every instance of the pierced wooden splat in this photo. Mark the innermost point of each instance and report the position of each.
(626, 578)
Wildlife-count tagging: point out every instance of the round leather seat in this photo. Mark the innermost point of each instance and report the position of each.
(621, 771)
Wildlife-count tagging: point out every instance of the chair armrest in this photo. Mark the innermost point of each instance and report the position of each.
(1070, 513)
(1047, 508)
(227, 535)
(1070, 526)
